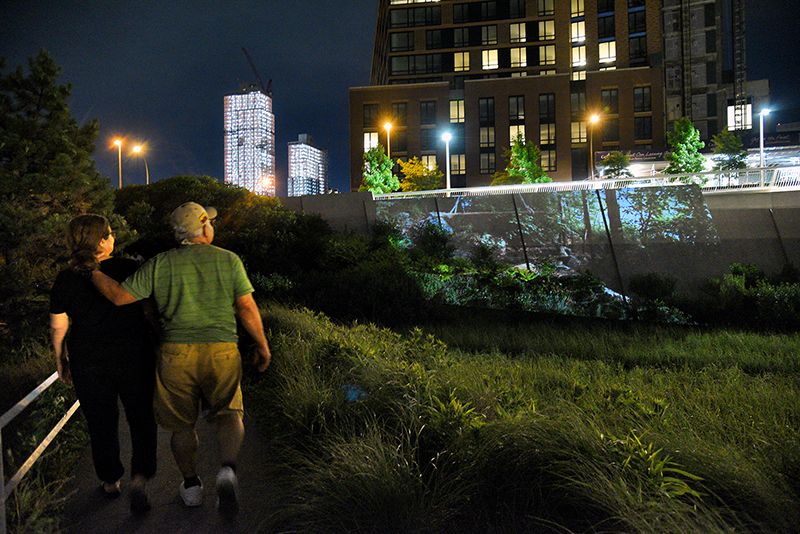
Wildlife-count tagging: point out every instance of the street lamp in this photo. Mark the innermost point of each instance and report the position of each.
(593, 119)
(118, 143)
(388, 127)
(446, 137)
(139, 151)
(762, 162)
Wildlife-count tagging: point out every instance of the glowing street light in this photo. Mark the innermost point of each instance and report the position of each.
(388, 127)
(593, 119)
(446, 137)
(118, 143)
(139, 151)
(764, 112)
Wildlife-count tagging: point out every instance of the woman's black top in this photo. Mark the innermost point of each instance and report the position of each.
(97, 324)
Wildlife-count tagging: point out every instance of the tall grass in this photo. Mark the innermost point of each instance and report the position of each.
(37, 502)
(377, 431)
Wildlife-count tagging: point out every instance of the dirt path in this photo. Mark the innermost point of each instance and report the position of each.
(87, 511)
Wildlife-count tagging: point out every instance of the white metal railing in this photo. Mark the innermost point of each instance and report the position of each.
(9, 416)
(767, 178)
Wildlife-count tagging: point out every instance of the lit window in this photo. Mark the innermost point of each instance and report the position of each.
(578, 56)
(578, 132)
(547, 134)
(519, 57)
(547, 55)
(547, 30)
(370, 140)
(548, 160)
(576, 9)
(429, 160)
(547, 72)
(489, 35)
(461, 61)
(487, 137)
(608, 52)
(456, 111)
(577, 31)
(489, 58)
(516, 130)
(578, 75)
(545, 7)
(519, 74)
(458, 164)
(517, 32)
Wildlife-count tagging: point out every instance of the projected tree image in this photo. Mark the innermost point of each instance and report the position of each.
(569, 229)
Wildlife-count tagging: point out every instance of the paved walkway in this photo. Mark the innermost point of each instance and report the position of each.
(88, 511)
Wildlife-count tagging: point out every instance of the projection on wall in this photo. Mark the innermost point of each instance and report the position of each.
(652, 229)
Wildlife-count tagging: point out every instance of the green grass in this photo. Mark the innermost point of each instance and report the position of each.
(37, 502)
(546, 427)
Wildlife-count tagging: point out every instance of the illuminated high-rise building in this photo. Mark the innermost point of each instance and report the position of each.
(308, 168)
(487, 71)
(250, 141)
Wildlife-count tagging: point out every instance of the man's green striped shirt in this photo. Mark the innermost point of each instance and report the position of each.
(194, 287)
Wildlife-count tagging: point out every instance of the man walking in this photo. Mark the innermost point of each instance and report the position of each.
(197, 287)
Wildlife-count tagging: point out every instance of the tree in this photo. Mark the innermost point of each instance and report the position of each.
(615, 165)
(685, 144)
(730, 151)
(47, 176)
(378, 177)
(523, 165)
(419, 177)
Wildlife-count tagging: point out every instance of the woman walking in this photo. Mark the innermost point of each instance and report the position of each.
(109, 356)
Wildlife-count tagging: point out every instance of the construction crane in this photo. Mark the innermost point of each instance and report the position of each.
(267, 90)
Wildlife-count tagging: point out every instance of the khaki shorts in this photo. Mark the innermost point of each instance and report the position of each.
(189, 375)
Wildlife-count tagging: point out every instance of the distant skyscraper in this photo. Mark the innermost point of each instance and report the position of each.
(308, 168)
(250, 141)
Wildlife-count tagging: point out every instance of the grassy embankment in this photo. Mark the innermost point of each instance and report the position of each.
(518, 427)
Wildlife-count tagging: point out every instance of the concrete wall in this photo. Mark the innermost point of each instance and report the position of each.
(760, 228)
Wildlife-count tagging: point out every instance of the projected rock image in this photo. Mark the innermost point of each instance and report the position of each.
(567, 229)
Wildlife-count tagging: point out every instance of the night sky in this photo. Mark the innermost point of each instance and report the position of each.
(158, 71)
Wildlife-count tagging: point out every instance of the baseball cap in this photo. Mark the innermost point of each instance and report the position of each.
(190, 217)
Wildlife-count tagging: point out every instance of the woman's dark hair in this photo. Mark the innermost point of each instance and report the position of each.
(84, 236)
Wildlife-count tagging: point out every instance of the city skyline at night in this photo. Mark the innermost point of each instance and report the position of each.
(158, 73)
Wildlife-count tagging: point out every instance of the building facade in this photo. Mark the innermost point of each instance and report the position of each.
(250, 141)
(308, 168)
(489, 70)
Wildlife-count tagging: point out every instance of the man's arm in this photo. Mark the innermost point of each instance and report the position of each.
(248, 313)
(111, 289)
(59, 324)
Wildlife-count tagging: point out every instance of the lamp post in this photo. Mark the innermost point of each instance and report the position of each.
(593, 119)
(388, 127)
(139, 151)
(762, 162)
(118, 143)
(446, 137)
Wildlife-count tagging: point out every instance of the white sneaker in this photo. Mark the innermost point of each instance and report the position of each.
(191, 496)
(227, 491)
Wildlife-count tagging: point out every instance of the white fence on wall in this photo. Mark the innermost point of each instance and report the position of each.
(766, 179)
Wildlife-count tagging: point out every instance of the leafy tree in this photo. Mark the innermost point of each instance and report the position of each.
(47, 176)
(419, 177)
(616, 165)
(730, 151)
(523, 165)
(685, 145)
(378, 177)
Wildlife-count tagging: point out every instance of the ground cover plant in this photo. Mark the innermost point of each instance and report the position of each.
(374, 430)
